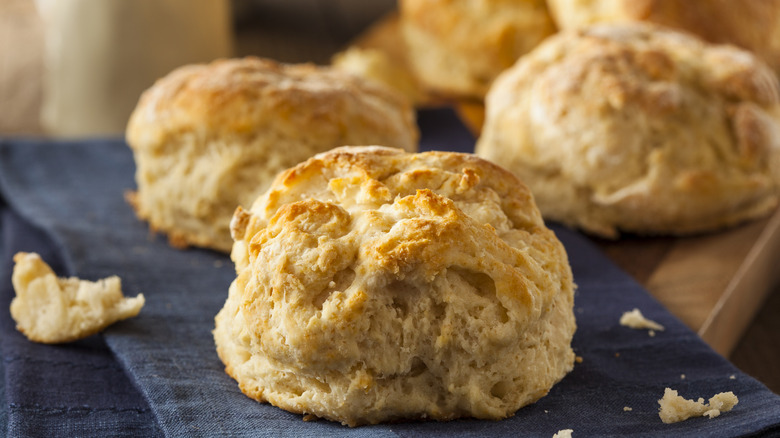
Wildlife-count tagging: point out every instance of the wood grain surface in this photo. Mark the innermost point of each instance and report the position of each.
(722, 285)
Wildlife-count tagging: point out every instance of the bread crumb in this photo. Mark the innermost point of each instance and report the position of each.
(636, 320)
(651, 333)
(578, 359)
(54, 310)
(565, 433)
(712, 413)
(682, 376)
(732, 377)
(627, 409)
(675, 408)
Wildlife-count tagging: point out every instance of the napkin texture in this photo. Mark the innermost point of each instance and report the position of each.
(69, 195)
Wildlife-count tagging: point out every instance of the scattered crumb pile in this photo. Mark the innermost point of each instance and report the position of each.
(53, 310)
(675, 408)
(636, 320)
(565, 433)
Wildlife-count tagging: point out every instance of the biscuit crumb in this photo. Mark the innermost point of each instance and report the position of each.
(651, 333)
(636, 320)
(682, 376)
(675, 408)
(627, 409)
(53, 310)
(565, 433)
(732, 377)
(578, 359)
(712, 413)
(617, 354)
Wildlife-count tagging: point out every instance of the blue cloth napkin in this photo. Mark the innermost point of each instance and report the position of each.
(70, 194)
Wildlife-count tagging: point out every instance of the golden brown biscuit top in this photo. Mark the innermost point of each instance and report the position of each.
(242, 95)
(663, 82)
(631, 55)
(371, 176)
(401, 215)
(750, 24)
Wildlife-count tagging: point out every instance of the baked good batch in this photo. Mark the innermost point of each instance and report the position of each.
(638, 128)
(457, 47)
(53, 310)
(207, 138)
(376, 285)
(750, 24)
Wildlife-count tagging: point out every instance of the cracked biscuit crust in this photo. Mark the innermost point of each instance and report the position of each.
(375, 285)
(638, 128)
(209, 137)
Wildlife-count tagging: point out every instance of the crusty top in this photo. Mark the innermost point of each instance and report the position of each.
(407, 212)
(235, 96)
(633, 114)
(751, 24)
(656, 72)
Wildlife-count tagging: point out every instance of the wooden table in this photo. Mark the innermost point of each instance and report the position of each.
(722, 285)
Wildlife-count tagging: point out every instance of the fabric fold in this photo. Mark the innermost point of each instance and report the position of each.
(60, 390)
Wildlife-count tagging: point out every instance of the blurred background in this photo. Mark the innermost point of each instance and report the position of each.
(75, 68)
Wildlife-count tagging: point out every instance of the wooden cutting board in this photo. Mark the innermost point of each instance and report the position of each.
(714, 283)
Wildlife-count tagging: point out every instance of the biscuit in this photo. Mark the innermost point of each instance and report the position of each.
(375, 285)
(457, 47)
(207, 138)
(751, 24)
(53, 310)
(638, 128)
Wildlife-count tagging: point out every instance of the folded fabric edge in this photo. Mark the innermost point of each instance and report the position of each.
(63, 267)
